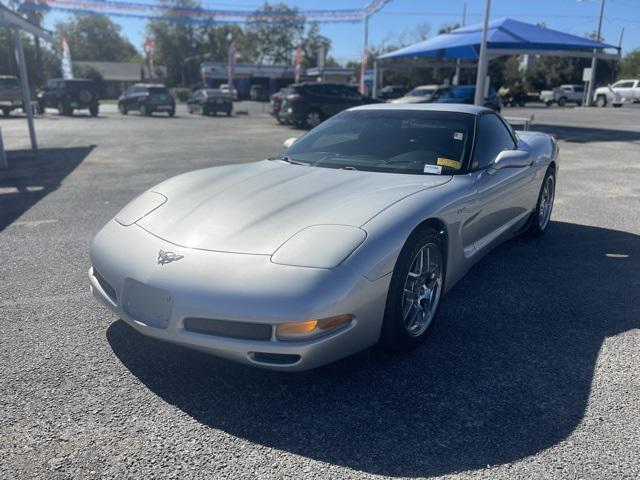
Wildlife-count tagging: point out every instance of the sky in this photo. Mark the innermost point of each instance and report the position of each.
(572, 16)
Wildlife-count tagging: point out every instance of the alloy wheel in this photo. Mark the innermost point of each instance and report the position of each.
(546, 202)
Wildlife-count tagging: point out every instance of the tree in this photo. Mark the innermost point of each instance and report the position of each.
(35, 15)
(275, 36)
(630, 67)
(315, 47)
(95, 38)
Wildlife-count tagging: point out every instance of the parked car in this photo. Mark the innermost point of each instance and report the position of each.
(621, 92)
(308, 104)
(563, 94)
(350, 237)
(147, 99)
(225, 88)
(276, 102)
(259, 93)
(209, 101)
(466, 94)
(392, 91)
(69, 95)
(10, 94)
(422, 94)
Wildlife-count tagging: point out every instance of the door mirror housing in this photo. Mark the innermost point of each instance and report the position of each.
(288, 142)
(511, 159)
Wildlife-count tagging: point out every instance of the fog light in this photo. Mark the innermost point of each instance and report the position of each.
(311, 328)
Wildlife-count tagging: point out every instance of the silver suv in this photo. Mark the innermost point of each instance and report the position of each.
(10, 94)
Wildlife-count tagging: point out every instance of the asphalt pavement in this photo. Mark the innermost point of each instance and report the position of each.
(532, 370)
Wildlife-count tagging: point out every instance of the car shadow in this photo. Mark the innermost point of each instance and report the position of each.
(505, 374)
(587, 135)
(32, 176)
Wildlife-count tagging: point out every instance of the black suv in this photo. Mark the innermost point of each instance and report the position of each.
(69, 95)
(308, 104)
(147, 99)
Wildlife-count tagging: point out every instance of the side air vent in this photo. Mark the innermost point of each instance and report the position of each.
(229, 329)
(106, 286)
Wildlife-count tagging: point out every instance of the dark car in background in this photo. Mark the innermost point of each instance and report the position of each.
(466, 94)
(392, 91)
(69, 95)
(308, 104)
(209, 101)
(259, 93)
(147, 99)
(10, 94)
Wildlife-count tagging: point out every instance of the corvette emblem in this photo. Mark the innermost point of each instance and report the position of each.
(168, 257)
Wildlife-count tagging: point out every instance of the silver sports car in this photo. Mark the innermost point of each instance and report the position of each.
(348, 238)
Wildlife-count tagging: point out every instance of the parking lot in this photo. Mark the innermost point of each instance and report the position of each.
(532, 370)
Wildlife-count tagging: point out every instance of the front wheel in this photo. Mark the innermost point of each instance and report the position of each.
(415, 290)
(171, 112)
(601, 101)
(144, 110)
(541, 216)
(562, 102)
(94, 109)
(41, 108)
(122, 109)
(6, 112)
(312, 119)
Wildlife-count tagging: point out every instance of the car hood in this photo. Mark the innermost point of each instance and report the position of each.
(254, 208)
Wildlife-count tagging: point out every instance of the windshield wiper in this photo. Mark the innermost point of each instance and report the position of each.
(286, 158)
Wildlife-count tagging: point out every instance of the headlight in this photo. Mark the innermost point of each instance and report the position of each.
(320, 246)
(139, 207)
(311, 328)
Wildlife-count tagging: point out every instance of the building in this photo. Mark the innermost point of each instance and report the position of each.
(273, 77)
(116, 77)
(331, 75)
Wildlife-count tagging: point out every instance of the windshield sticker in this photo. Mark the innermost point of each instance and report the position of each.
(432, 169)
(458, 135)
(446, 162)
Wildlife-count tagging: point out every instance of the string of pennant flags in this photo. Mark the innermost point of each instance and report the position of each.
(200, 15)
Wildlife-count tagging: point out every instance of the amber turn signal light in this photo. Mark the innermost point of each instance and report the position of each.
(311, 328)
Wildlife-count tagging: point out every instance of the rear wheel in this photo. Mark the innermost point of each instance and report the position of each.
(41, 108)
(64, 109)
(94, 109)
(6, 111)
(144, 110)
(540, 218)
(415, 290)
(122, 109)
(171, 112)
(562, 102)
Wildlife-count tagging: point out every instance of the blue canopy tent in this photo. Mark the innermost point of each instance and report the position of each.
(505, 36)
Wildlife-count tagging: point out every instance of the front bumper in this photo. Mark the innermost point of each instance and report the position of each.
(238, 288)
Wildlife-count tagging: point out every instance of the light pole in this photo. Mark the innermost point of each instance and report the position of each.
(459, 61)
(594, 60)
(483, 61)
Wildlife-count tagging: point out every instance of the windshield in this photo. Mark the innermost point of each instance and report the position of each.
(395, 141)
(158, 91)
(421, 92)
(8, 82)
(214, 93)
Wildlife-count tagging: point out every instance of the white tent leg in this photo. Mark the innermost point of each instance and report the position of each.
(483, 61)
(26, 95)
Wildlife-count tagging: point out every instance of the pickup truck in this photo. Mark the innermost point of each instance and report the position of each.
(621, 92)
(10, 94)
(563, 94)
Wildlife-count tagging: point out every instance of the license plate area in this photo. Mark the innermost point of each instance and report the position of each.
(146, 304)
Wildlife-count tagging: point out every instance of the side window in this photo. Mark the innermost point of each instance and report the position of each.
(493, 137)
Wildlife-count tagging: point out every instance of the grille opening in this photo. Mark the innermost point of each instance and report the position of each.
(228, 328)
(106, 286)
(274, 358)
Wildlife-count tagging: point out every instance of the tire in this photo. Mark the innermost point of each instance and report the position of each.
(145, 111)
(122, 109)
(562, 102)
(205, 111)
(41, 108)
(548, 104)
(94, 110)
(413, 298)
(172, 113)
(616, 105)
(6, 112)
(540, 218)
(312, 118)
(229, 112)
(601, 101)
(64, 109)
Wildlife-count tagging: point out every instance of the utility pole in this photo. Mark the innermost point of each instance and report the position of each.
(459, 61)
(594, 60)
(365, 53)
(483, 60)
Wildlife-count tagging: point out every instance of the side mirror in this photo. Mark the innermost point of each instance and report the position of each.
(510, 159)
(288, 142)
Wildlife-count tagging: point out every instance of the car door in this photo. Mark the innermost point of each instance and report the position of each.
(503, 197)
(623, 90)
